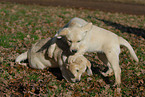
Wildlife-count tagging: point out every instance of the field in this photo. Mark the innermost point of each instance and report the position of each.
(22, 25)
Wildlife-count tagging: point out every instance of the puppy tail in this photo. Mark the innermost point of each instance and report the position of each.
(126, 44)
(21, 57)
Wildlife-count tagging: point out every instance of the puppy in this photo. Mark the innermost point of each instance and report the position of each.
(85, 37)
(38, 58)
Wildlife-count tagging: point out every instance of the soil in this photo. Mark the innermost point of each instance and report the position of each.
(134, 9)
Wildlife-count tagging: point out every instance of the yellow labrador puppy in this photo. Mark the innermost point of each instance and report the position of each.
(85, 37)
(38, 58)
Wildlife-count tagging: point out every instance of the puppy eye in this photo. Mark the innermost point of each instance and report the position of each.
(77, 70)
(79, 41)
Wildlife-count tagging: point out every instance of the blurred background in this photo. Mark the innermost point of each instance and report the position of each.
(136, 7)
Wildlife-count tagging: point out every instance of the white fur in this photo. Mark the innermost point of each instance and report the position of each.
(85, 37)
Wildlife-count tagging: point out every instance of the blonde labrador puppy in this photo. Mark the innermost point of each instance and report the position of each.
(38, 58)
(85, 37)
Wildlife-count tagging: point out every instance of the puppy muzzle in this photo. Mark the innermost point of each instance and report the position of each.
(74, 51)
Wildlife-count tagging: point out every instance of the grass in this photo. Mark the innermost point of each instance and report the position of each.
(22, 25)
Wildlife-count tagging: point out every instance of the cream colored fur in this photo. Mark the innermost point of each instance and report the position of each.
(38, 57)
(85, 37)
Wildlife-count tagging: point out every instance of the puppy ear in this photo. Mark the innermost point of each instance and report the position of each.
(87, 27)
(74, 23)
(65, 74)
(89, 71)
(63, 32)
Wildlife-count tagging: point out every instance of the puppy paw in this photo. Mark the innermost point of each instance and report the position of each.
(24, 64)
(107, 74)
(71, 59)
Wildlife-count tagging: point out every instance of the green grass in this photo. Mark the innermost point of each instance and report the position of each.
(22, 25)
(33, 77)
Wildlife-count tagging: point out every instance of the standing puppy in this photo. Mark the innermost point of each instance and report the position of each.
(85, 37)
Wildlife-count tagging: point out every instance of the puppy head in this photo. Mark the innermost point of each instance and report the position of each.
(75, 35)
(78, 67)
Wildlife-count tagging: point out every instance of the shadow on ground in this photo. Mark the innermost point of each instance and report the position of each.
(122, 28)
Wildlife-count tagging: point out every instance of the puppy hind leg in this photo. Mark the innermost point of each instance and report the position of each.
(37, 64)
(113, 59)
(104, 59)
(40, 65)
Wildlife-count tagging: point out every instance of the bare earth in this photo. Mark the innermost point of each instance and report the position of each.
(134, 9)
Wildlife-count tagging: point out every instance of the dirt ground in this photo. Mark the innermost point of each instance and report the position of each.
(134, 9)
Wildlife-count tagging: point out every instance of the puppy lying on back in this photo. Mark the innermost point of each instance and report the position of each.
(38, 58)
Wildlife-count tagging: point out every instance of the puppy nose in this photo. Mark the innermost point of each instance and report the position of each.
(74, 51)
(77, 80)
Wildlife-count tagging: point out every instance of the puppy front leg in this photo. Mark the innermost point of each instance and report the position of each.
(104, 59)
(51, 50)
(52, 47)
